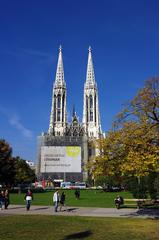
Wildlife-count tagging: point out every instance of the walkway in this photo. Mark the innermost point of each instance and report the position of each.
(83, 211)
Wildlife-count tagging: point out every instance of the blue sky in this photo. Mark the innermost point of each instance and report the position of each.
(124, 36)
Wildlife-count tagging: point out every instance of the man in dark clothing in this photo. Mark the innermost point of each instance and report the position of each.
(77, 193)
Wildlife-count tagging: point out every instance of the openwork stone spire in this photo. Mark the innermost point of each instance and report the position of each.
(60, 80)
(58, 111)
(91, 115)
(90, 77)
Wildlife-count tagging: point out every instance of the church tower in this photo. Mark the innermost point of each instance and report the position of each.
(91, 116)
(58, 111)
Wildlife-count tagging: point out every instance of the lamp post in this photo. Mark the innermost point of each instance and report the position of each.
(64, 176)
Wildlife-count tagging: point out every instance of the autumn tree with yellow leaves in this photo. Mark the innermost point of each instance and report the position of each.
(144, 106)
(131, 148)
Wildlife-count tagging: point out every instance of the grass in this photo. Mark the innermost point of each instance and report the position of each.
(67, 228)
(88, 198)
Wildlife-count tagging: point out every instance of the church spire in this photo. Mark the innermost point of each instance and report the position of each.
(60, 80)
(91, 115)
(58, 111)
(90, 77)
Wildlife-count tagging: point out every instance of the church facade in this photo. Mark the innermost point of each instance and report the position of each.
(63, 151)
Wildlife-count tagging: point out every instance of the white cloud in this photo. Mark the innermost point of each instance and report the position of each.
(36, 53)
(3, 111)
(15, 122)
(21, 52)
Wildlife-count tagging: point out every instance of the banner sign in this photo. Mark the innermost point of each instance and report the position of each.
(60, 159)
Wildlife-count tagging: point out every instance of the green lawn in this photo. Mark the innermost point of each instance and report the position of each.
(88, 198)
(67, 228)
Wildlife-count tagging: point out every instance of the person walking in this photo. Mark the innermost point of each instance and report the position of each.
(118, 201)
(6, 198)
(2, 200)
(56, 198)
(62, 201)
(28, 198)
(77, 193)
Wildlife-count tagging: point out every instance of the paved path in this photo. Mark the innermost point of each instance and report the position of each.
(83, 211)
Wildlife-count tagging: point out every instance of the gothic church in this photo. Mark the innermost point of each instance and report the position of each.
(61, 133)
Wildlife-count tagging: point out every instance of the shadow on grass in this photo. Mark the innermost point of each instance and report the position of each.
(78, 235)
(145, 212)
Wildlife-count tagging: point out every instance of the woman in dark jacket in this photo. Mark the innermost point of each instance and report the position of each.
(2, 200)
(62, 200)
(6, 198)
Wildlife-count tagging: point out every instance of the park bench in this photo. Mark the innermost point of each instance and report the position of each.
(139, 203)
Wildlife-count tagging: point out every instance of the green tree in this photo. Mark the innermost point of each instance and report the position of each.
(13, 169)
(7, 170)
(23, 172)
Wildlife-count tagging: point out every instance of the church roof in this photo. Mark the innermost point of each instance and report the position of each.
(75, 128)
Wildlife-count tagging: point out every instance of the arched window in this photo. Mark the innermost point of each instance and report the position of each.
(86, 109)
(95, 109)
(91, 115)
(58, 101)
(91, 101)
(54, 108)
(91, 108)
(58, 115)
(63, 106)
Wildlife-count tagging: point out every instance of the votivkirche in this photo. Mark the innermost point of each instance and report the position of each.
(64, 151)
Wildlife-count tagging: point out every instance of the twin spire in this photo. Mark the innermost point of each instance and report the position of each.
(90, 77)
(60, 80)
(91, 118)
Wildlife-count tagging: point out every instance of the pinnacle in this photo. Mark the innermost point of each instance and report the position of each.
(90, 77)
(59, 80)
(60, 48)
(90, 49)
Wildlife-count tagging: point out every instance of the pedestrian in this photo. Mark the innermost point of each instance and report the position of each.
(62, 201)
(118, 201)
(56, 198)
(6, 198)
(2, 200)
(77, 193)
(28, 198)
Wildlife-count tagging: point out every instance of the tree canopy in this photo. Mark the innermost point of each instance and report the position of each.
(6, 163)
(13, 169)
(144, 106)
(131, 148)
